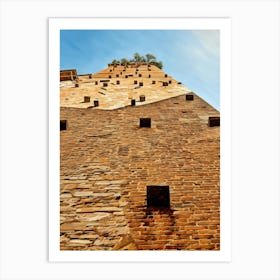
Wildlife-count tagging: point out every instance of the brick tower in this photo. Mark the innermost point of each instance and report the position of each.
(139, 162)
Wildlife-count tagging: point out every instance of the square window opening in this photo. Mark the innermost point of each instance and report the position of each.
(145, 122)
(158, 196)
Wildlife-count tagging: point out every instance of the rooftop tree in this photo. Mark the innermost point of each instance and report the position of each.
(115, 61)
(149, 58)
(124, 61)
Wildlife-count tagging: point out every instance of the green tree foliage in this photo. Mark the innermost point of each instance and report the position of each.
(124, 61)
(149, 58)
(115, 61)
(157, 64)
(138, 57)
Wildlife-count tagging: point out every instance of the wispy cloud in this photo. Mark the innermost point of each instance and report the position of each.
(209, 40)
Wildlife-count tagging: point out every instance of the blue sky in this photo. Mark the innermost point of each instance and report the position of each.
(190, 56)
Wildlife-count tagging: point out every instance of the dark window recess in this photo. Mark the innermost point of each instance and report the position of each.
(126, 76)
(170, 82)
(117, 75)
(110, 70)
(118, 82)
(90, 76)
(76, 85)
(63, 124)
(158, 196)
(165, 75)
(133, 102)
(142, 98)
(110, 76)
(165, 84)
(189, 97)
(214, 121)
(135, 82)
(96, 103)
(105, 84)
(140, 84)
(145, 122)
(96, 83)
(140, 75)
(149, 76)
(153, 82)
(179, 83)
(86, 98)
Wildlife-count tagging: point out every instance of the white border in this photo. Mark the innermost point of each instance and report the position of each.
(255, 140)
(55, 25)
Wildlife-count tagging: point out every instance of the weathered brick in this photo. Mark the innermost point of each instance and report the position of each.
(107, 161)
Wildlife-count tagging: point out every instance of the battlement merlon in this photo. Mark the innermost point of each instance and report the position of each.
(69, 74)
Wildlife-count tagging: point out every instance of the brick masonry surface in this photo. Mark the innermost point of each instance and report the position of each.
(107, 161)
(115, 95)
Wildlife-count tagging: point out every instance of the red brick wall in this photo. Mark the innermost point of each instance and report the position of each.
(107, 161)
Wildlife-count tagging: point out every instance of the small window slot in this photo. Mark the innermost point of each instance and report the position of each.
(189, 97)
(145, 122)
(63, 124)
(158, 196)
(213, 121)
